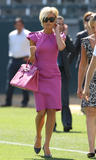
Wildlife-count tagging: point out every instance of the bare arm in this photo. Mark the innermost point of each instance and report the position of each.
(32, 51)
(60, 41)
(90, 71)
(89, 75)
(82, 70)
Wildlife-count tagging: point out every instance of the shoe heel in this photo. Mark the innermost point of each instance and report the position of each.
(46, 155)
(91, 155)
(37, 150)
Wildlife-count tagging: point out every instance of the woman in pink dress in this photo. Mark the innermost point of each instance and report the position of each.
(44, 46)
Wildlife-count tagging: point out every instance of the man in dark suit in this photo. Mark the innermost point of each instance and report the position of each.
(81, 35)
(63, 62)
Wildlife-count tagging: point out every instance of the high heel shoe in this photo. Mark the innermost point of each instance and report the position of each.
(37, 150)
(91, 155)
(46, 155)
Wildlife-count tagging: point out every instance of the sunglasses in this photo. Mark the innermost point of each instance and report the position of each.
(94, 17)
(87, 18)
(46, 19)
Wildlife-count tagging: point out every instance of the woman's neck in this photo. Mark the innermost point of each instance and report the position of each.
(48, 31)
(94, 36)
(89, 31)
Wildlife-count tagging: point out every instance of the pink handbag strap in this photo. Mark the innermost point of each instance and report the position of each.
(33, 64)
(28, 61)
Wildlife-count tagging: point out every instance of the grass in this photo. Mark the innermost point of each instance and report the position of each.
(18, 125)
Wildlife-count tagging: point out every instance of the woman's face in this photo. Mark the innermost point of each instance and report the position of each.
(49, 21)
(94, 28)
(60, 22)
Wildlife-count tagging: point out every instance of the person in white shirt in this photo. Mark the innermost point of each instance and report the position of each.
(19, 51)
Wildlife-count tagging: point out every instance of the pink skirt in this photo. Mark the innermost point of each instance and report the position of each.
(49, 94)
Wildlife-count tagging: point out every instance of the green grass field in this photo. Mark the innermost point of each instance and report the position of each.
(18, 125)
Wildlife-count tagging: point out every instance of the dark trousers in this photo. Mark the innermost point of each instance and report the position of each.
(12, 68)
(66, 116)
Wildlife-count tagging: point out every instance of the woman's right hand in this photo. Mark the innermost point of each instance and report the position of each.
(31, 58)
(86, 93)
(79, 92)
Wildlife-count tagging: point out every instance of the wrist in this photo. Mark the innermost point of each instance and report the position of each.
(33, 48)
(57, 32)
(79, 88)
(86, 87)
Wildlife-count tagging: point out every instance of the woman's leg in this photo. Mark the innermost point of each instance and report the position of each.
(95, 132)
(39, 125)
(91, 127)
(49, 129)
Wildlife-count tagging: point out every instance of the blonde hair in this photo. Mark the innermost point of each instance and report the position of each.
(47, 10)
(92, 20)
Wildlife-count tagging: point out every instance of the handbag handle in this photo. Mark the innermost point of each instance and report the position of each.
(28, 61)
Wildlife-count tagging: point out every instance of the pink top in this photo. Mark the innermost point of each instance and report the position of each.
(47, 50)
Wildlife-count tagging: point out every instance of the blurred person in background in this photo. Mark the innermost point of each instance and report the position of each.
(45, 45)
(89, 105)
(81, 35)
(64, 60)
(19, 51)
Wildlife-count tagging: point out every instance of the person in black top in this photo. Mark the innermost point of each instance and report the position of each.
(81, 35)
(64, 59)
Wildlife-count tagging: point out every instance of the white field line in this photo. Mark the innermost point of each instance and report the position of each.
(30, 145)
(75, 108)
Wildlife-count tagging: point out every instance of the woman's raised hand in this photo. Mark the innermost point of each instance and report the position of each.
(57, 28)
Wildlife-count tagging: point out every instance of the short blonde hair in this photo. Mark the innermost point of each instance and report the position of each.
(47, 10)
(92, 20)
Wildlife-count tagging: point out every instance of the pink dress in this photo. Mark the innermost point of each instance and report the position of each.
(49, 93)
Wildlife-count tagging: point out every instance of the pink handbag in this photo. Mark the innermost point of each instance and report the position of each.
(26, 78)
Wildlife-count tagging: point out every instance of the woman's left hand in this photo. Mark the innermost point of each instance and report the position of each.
(57, 29)
(65, 29)
(60, 41)
(86, 93)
